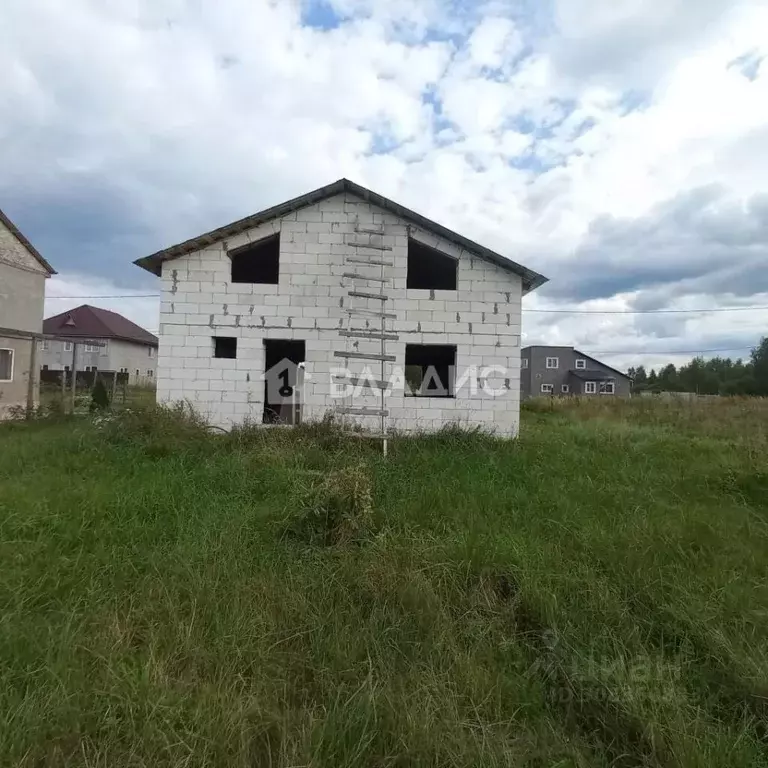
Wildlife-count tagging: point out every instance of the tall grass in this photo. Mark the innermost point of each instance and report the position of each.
(593, 594)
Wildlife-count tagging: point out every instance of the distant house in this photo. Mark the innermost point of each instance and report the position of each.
(105, 341)
(23, 272)
(566, 371)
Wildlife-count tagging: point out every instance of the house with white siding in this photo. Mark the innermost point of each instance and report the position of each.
(341, 302)
(95, 339)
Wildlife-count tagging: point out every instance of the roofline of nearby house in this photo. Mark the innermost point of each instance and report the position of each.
(14, 230)
(107, 337)
(579, 352)
(152, 263)
(600, 362)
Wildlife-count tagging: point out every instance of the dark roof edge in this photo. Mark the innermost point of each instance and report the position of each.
(578, 351)
(109, 336)
(600, 362)
(16, 232)
(153, 262)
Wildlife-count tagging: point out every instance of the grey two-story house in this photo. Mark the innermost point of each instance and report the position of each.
(566, 371)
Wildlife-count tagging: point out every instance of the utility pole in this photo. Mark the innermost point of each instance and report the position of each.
(74, 374)
(32, 378)
(63, 388)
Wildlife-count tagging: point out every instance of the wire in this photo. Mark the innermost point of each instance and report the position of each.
(525, 309)
(641, 311)
(677, 351)
(112, 296)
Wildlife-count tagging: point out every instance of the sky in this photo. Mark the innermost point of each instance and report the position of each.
(620, 148)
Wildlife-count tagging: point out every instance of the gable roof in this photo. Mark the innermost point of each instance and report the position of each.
(581, 354)
(16, 232)
(600, 362)
(591, 374)
(153, 262)
(87, 322)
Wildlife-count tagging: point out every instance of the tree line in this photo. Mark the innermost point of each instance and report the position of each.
(716, 376)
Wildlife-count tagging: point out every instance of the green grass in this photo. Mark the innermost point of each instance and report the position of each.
(593, 594)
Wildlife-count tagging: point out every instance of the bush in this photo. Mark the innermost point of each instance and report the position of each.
(336, 510)
(99, 397)
(163, 430)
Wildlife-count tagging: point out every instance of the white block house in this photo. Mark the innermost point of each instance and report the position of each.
(357, 306)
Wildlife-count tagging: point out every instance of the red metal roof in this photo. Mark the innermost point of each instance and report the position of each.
(96, 323)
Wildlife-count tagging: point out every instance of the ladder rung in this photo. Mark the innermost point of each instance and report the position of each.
(366, 356)
(363, 295)
(369, 262)
(370, 312)
(372, 246)
(355, 381)
(369, 230)
(358, 276)
(355, 334)
(361, 411)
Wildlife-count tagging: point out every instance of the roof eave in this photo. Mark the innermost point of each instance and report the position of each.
(153, 263)
(600, 362)
(19, 235)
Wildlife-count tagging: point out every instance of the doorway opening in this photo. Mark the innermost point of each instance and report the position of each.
(283, 380)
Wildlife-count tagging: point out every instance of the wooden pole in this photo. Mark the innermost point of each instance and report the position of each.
(74, 374)
(63, 389)
(114, 388)
(32, 378)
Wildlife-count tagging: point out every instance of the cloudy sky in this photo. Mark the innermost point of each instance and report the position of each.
(621, 148)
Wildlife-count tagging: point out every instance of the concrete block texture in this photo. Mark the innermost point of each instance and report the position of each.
(309, 303)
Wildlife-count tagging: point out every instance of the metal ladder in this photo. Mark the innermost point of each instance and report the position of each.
(365, 332)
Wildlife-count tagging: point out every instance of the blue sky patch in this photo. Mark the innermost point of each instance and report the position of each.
(320, 14)
(748, 64)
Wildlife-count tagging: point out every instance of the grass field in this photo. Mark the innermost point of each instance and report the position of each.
(593, 594)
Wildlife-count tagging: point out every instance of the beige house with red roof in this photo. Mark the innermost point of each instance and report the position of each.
(23, 272)
(104, 341)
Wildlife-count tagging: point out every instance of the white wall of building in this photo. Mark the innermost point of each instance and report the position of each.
(22, 292)
(140, 360)
(482, 318)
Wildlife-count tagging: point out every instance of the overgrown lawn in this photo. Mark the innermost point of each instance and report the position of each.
(593, 594)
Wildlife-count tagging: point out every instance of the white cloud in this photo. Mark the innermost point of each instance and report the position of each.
(565, 142)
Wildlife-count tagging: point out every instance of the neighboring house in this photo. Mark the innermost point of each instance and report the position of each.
(105, 341)
(566, 371)
(23, 272)
(333, 287)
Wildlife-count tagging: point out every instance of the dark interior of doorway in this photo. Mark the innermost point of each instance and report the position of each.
(281, 360)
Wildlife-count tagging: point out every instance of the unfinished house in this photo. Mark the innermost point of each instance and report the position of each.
(341, 302)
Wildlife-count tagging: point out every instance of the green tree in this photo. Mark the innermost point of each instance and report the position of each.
(668, 379)
(759, 365)
(639, 378)
(99, 396)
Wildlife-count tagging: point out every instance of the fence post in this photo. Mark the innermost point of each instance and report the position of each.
(114, 388)
(74, 374)
(63, 390)
(32, 378)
